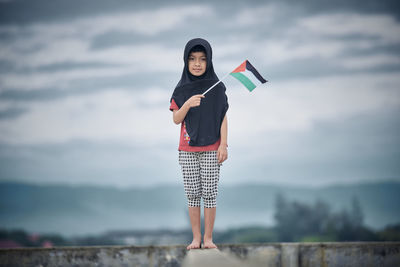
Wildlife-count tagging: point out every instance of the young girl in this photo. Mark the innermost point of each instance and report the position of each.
(203, 138)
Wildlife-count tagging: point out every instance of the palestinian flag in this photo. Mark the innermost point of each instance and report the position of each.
(248, 75)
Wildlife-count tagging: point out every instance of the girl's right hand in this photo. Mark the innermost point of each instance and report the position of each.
(194, 101)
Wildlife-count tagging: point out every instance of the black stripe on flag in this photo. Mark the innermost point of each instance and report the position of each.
(255, 72)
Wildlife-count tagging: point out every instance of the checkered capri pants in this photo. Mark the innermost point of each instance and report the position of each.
(200, 177)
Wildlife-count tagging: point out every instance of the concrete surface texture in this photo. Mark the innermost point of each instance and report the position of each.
(365, 254)
(210, 257)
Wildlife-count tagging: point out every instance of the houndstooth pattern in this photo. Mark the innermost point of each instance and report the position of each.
(200, 177)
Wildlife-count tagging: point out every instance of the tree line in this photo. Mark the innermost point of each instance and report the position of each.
(294, 222)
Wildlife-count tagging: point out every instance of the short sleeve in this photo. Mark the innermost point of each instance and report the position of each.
(173, 106)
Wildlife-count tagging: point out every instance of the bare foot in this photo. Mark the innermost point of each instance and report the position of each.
(195, 244)
(209, 244)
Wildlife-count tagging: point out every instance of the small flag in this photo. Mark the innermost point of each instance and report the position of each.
(248, 75)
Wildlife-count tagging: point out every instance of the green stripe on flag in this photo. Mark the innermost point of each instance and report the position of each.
(244, 80)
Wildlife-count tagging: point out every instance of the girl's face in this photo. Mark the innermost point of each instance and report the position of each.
(197, 63)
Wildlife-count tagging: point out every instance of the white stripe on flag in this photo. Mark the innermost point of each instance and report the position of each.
(251, 77)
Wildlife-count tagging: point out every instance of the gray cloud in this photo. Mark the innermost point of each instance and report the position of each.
(361, 147)
(86, 162)
(90, 86)
(368, 6)
(323, 53)
(87, 80)
(25, 11)
(11, 113)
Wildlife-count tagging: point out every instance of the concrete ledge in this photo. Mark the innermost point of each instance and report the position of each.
(353, 254)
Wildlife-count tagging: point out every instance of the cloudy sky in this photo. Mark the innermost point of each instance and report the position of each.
(85, 89)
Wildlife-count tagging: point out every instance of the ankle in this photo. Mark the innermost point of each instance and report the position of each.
(197, 237)
(207, 237)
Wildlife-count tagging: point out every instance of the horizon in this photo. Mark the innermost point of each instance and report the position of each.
(94, 209)
(251, 183)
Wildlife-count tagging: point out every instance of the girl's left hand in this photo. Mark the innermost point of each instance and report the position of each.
(222, 153)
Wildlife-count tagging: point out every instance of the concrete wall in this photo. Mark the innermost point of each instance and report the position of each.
(352, 254)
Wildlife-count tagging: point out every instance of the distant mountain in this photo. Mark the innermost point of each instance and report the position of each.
(77, 210)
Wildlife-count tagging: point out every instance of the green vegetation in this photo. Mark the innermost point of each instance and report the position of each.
(25, 239)
(295, 222)
(300, 222)
(254, 234)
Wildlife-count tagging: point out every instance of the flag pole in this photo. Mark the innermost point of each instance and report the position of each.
(216, 84)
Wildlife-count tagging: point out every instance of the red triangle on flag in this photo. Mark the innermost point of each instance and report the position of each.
(241, 68)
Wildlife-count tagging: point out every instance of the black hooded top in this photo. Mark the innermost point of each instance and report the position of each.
(203, 123)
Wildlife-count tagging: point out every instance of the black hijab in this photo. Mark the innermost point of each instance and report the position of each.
(203, 123)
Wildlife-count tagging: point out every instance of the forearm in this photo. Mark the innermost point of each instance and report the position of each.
(180, 114)
(224, 131)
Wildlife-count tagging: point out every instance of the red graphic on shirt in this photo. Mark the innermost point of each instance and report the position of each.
(186, 136)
